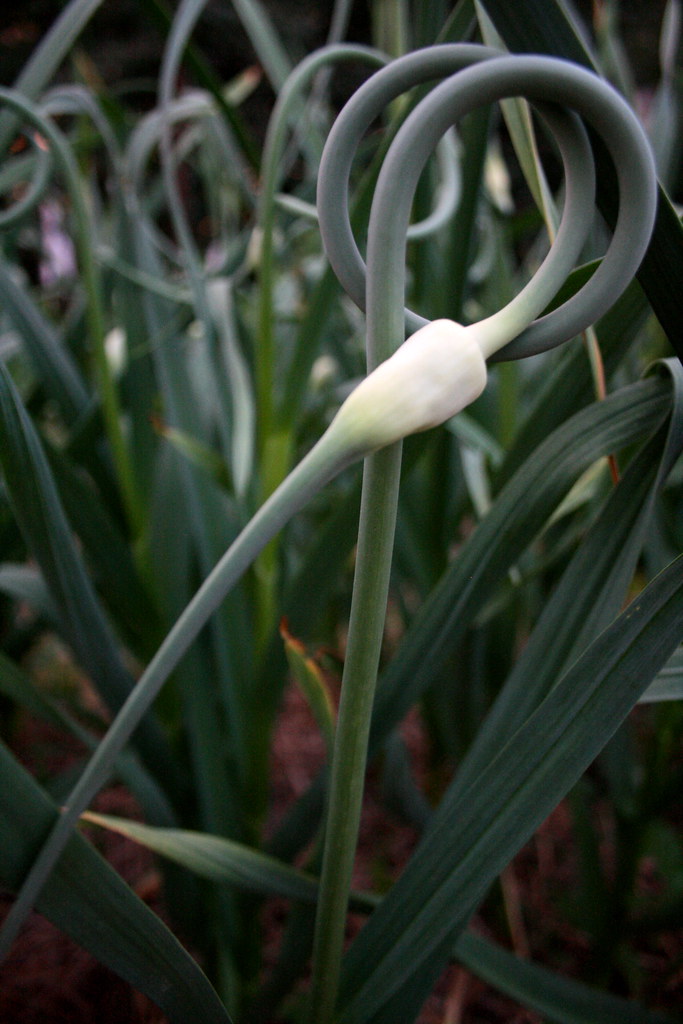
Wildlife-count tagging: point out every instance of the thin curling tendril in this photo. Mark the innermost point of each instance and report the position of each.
(476, 76)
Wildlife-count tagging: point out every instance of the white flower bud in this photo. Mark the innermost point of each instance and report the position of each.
(115, 347)
(437, 372)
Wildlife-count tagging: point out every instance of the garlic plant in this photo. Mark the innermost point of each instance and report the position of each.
(412, 385)
(565, 96)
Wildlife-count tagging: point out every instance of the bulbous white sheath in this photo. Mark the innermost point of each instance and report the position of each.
(434, 374)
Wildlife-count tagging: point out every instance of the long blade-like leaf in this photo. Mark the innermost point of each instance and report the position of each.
(668, 685)
(48, 55)
(590, 593)
(560, 1000)
(519, 513)
(216, 858)
(53, 364)
(87, 899)
(40, 515)
(413, 930)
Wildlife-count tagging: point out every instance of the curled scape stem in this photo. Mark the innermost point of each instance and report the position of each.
(434, 374)
(402, 385)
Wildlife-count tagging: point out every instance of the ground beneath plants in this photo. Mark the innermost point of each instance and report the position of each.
(49, 980)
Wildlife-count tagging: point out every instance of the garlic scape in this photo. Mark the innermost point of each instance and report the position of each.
(411, 386)
(435, 374)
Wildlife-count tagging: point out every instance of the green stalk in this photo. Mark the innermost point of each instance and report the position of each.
(382, 288)
(342, 445)
(94, 310)
(275, 432)
(209, 80)
(390, 26)
(206, 733)
(379, 502)
(287, 104)
(321, 464)
(47, 56)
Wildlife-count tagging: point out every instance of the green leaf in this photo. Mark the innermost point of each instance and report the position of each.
(87, 899)
(25, 583)
(192, 525)
(40, 515)
(590, 594)
(588, 597)
(53, 365)
(206, 77)
(265, 40)
(471, 434)
(517, 114)
(16, 686)
(19, 688)
(200, 455)
(668, 684)
(311, 682)
(560, 1000)
(519, 513)
(218, 859)
(48, 55)
(413, 930)
(568, 387)
(108, 556)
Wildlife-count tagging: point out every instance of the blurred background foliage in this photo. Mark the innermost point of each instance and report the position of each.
(145, 426)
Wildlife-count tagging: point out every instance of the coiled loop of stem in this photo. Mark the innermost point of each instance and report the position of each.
(564, 95)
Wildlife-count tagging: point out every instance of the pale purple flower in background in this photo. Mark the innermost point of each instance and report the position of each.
(58, 260)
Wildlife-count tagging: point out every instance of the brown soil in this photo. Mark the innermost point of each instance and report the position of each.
(49, 980)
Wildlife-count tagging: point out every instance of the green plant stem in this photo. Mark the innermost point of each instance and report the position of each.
(383, 291)
(284, 112)
(209, 80)
(321, 464)
(275, 431)
(94, 308)
(375, 543)
(379, 503)
(47, 57)
(551, 85)
(189, 11)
